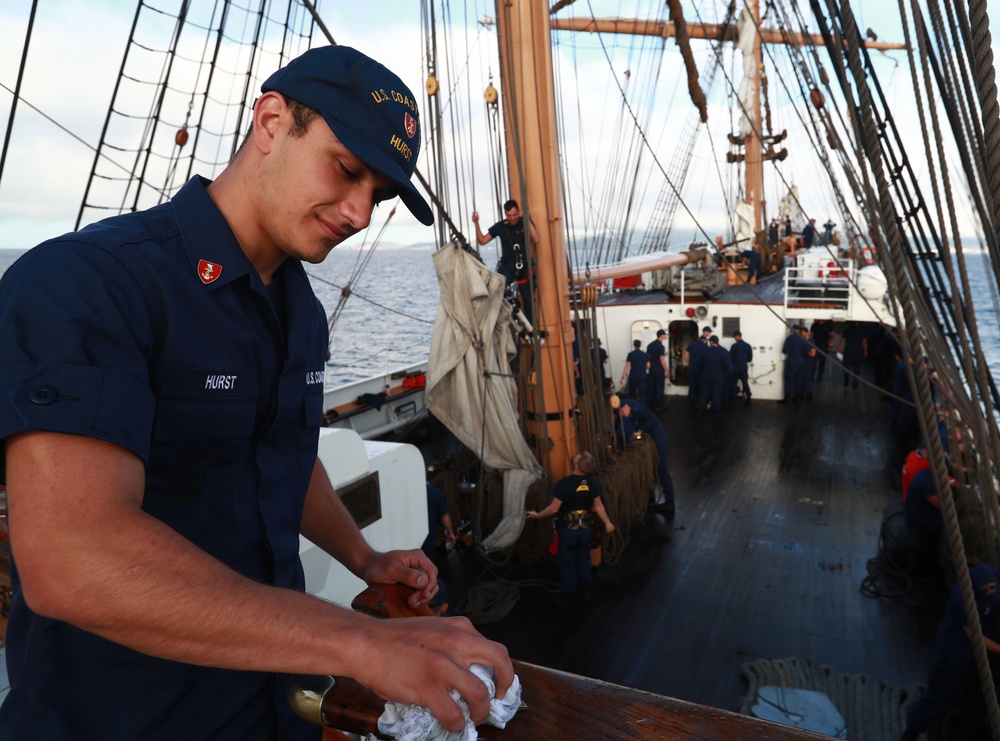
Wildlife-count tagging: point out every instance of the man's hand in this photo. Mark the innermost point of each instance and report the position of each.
(411, 568)
(418, 661)
(475, 217)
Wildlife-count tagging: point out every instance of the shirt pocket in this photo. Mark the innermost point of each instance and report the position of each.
(200, 404)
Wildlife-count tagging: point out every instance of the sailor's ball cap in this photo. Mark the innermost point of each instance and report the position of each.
(986, 583)
(366, 106)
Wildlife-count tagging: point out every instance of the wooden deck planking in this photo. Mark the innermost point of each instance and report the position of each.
(778, 512)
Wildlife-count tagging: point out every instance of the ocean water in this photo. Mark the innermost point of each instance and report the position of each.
(388, 320)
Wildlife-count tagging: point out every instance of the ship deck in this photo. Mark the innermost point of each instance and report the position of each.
(769, 290)
(778, 513)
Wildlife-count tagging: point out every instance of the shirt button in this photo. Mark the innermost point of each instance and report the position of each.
(42, 395)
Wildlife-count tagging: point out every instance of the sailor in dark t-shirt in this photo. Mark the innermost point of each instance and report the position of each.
(573, 497)
(515, 257)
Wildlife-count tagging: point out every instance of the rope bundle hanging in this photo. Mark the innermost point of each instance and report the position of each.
(684, 42)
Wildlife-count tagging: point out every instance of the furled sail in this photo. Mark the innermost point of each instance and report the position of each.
(744, 225)
(748, 87)
(469, 383)
(790, 207)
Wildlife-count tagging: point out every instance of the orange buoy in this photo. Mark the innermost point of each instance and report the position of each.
(181, 138)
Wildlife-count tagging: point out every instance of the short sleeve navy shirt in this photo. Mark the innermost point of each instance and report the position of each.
(637, 361)
(153, 331)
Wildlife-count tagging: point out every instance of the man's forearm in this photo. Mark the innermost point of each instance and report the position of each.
(328, 524)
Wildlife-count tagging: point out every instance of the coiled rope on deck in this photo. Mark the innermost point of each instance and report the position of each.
(873, 710)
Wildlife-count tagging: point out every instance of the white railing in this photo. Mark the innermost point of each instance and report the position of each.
(822, 283)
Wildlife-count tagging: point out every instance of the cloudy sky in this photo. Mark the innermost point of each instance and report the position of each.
(77, 47)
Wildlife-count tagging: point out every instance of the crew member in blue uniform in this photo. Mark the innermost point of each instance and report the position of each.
(636, 370)
(162, 398)
(752, 259)
(772, 233)
(809, 234)
(657, 352)
(794, 350)
(741, 355)
(922, 508)
(438, 516)
(822, 339)
(953, 680)
(854, 346)
(515, 256)
(643, 420)
(694, 355)
(828, 231)
(715, 369)
(573, 498)
(788, 226)
(809, 366)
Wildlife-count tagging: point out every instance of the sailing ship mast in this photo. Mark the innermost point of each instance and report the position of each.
(533, 161)
(536, 181)
(754, 157)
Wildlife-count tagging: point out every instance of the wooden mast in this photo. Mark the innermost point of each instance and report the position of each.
(753, 148)
(531, 138)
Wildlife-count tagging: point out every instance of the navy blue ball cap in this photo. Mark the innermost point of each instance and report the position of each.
(986, 583)
(366, 106)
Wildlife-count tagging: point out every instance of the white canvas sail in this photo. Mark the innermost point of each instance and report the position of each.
(469, 383)
(748, 86)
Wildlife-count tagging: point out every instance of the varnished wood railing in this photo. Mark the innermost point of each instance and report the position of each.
(556, 704)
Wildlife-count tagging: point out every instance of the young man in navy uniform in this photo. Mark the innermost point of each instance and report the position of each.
(741, 355)
(656, 351)
(515, 257)
(636, 370)
(163, 383)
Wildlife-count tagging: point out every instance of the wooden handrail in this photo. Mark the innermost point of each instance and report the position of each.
(557, 704)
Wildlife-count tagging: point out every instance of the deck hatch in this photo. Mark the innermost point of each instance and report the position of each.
(363, 499)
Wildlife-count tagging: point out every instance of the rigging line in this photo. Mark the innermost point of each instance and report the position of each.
(755, 125)
(969, 98)
(453, 110)
(822, 151)
(17, 86)
(171, 170)
(80, 139)
(986, 216)
(918, 376)
(645, 141)
(928, 259)
(983, 376)
(958, 305)
(144, 153)
(852, 140)
(313, 276)
(468, 98)
(805, 78)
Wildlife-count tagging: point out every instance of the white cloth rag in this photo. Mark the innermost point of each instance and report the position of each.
(415, 723)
